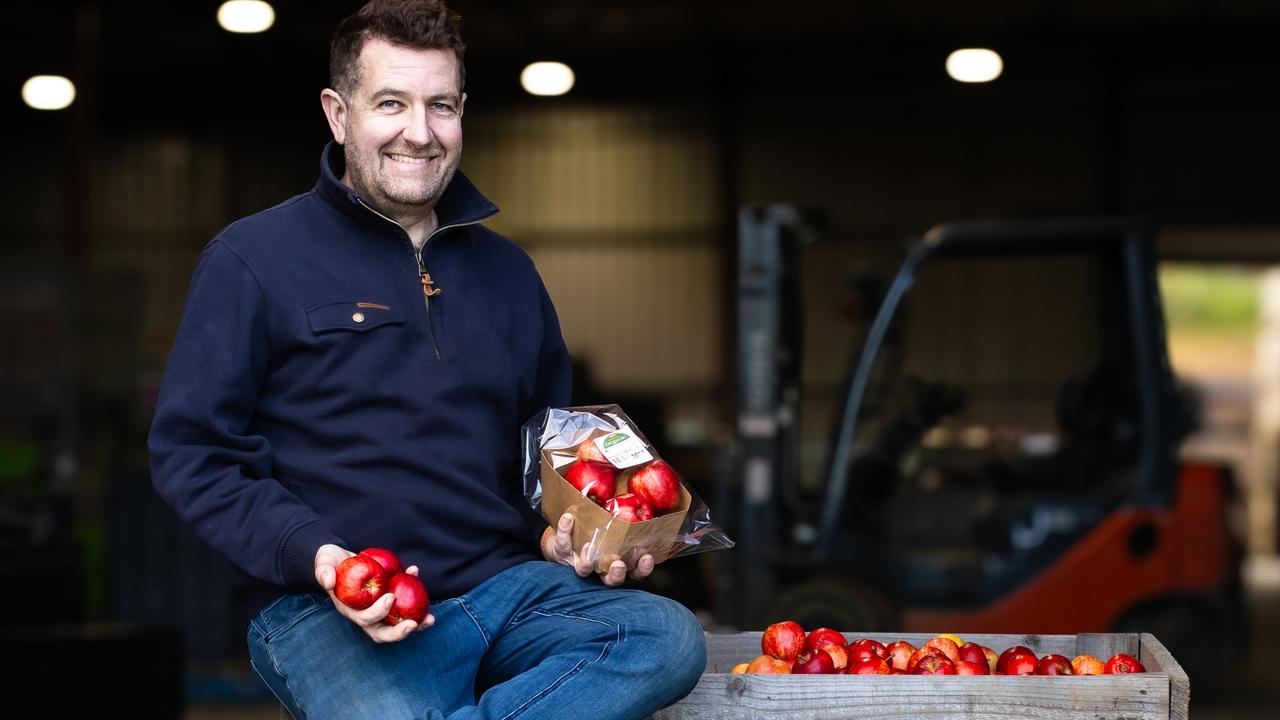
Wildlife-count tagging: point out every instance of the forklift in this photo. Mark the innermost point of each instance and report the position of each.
(1003, 456)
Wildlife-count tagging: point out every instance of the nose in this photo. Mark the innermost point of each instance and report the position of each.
(418, 131)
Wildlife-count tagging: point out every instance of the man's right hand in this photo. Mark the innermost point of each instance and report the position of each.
(370, 619)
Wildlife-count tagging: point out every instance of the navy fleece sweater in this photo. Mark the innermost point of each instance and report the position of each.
(315, 395)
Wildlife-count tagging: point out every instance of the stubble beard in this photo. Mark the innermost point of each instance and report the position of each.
(401, 196)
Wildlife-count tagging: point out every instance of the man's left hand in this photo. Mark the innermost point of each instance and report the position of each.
(557, 546)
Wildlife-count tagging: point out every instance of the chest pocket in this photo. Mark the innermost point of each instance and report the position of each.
(352, 316)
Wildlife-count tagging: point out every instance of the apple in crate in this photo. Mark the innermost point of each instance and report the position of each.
(1122, 663)
(784, 640)
(768, 665)
(870, 666)
(898, 653)
(1054, 665)
(1086, 665)
(1002, 662)
(822, 637)
(967, 667)
(813, 662)
(935, 663)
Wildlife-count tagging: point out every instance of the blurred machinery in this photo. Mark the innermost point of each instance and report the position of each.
(1004, 456)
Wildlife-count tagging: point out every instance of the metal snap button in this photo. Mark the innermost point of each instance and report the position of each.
(358, 317)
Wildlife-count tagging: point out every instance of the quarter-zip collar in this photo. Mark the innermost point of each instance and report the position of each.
(461, 203)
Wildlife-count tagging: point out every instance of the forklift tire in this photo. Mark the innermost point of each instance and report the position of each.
(1199, 631)
(845, 605)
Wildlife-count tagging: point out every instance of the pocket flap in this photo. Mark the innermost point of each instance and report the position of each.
(352, 315)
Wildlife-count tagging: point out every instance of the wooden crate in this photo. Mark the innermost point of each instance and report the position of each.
(1161, 693)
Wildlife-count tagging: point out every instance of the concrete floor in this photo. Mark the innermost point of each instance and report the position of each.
(1251, 692)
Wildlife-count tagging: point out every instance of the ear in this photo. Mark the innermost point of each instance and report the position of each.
(335, 111)
(462, 104)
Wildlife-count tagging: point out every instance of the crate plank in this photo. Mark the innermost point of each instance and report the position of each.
(830, 697)
(1104, 645)
(1155, 657)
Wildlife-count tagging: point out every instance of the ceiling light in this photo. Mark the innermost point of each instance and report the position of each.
(547, 78)
(246, 16)
(48, 92)
(974, 65)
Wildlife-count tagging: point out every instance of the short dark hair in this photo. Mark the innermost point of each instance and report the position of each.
(418, 24)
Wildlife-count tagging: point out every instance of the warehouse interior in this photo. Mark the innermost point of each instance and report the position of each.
(689, 127)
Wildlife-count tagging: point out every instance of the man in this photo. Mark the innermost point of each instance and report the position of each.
(352, 370)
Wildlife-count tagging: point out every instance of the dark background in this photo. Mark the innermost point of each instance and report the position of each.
(1165, 109)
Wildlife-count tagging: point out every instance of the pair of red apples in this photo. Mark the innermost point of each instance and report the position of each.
(366, 576)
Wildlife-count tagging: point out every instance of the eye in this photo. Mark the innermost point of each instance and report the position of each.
(442, 109)
(389, 105)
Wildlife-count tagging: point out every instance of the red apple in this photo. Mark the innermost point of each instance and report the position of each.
(921, 653)
(628, 508)
(589, 451)
(410, 602)
(871, 666)
(973, 653)
(935, 663)
(947, 646)
(1003, 661)
(968, 667)
(360, 581)
(784, 640)
(658, 484)
(838, 654)
(1054, 665)
(992, 658)
(1021, 664)
(813, 662)
(865, 648)
(593, 479)
(822, 637)
(385, 558)
(1122, 663)
(768, 665)
(898, 653)
(1087, 665)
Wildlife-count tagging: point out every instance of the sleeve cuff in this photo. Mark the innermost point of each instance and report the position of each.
(298, 554)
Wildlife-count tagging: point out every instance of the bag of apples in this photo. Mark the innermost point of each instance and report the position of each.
(626, 500)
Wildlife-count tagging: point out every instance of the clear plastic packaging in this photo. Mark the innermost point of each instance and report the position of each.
(626, 500)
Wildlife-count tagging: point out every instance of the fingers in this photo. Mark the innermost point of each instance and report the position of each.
(383, 633)
(582, 562)
(643, 568)
(326, 576)
(412, 570)
(616, 575)
(564, 537)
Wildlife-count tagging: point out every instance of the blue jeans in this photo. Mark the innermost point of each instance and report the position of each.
(535, 641)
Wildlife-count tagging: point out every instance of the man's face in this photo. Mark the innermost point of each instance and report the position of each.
(402, 126)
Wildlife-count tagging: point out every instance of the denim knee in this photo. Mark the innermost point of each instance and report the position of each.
(680, 643)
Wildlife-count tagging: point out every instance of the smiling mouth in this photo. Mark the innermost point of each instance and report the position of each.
(408, 159)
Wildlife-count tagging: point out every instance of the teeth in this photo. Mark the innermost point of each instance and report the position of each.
(407, 159)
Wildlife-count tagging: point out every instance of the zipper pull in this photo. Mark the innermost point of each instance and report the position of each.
(428, 288)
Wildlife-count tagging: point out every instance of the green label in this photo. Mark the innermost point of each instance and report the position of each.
(614, 439)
